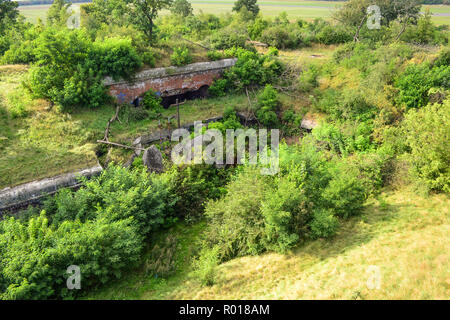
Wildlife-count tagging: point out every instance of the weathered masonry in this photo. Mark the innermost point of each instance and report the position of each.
(30, 193)
(170, 81)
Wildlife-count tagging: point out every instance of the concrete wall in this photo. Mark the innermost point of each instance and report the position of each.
(168, 81)
(29, 193)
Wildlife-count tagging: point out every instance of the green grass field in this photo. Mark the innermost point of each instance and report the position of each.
(296, 9)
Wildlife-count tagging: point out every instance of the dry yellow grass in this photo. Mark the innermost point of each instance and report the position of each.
(405, 236)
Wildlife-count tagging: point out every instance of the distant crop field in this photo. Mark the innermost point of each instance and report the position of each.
(307, 10)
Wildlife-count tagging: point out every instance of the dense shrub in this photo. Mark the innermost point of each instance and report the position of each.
(330, 137)
(35, 256)
(267, 107)
(416, 81)
(308, 79)
(118, 194)
(235, 222)
(101, 228)
(115, 57)
(282, 37)
(256, 28)
(205, 266)
(180, 56)
(214, 55)
(427, 135)
(424, 32)
(334, 35)
(275, 213)
(18, 44)
(219, 88)
(345, 193)
(349, 104)
(196, 184)
(324, 224)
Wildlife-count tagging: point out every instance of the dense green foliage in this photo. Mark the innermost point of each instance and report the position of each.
(182, 8)
(382, 101)
(249, 5)
(180, 56)
(251, 69)
(303, 201)
(415, 83)
(8, 14)
(101, 228)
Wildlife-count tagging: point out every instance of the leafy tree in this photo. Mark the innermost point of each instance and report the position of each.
(250, 5)
(59, 13)
(182, 8)
(8, 13)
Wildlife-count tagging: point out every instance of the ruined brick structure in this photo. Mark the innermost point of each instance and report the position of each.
(167, 82)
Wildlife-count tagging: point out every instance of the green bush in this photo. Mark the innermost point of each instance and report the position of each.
(444, 58)
(115, 57)
(416, 81)
(228, 38)
(235, 223)
(427, 135)
(267, 107)
(194, 186)
(148, 58)
(205, 267)
(214, 55)
(330, 137)
(349, 104)
(257, 27)
(219, 88)
(35, 255)
(18, 103)
(424, 32)
(283, 37)
(308, 78)
(115, 195)
(275, 213)
(334, 35)
(345, 193)
(152, 102)
(101, 228)
(70, 68)
(285, 211)
(251, 69)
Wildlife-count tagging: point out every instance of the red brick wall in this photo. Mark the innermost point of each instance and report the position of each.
(166, 86)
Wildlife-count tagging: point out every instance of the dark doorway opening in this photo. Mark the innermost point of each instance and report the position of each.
(191, 95)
